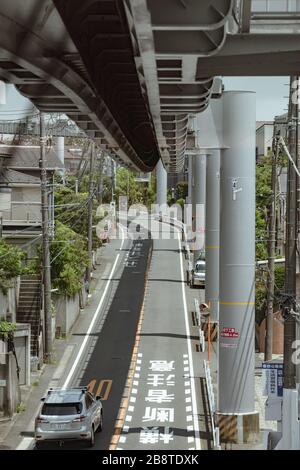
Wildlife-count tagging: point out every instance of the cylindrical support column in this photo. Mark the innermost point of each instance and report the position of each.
(60, 151)
(190, 179)
(198, 201)
(212, 233)
(237, 256)
(161, 185)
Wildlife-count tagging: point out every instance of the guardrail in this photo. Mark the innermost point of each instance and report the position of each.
(212, 406)
(201, 332)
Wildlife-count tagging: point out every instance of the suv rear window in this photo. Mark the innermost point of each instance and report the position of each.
(61, 409)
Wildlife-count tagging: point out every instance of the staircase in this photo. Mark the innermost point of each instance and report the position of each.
(29, 305)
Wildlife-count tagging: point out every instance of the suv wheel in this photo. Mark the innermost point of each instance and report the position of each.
(91, 441)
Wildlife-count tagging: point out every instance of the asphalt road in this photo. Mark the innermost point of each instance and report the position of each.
(107, 360)
(163, 412)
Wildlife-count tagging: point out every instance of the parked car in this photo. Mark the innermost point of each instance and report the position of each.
(197, 276)
(69, 414)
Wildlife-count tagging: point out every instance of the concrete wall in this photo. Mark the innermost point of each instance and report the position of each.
(8, 301)
(277, 335)
(10, 395)
(67, 311)
(264, 136)
(25, 204)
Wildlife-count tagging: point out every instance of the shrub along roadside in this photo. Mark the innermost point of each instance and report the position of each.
(69, 259)
(11, 264)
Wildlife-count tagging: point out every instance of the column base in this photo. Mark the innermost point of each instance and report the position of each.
(239, 429)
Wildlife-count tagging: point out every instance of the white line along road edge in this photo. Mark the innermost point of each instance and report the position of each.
(27, 443)
(82, 347)
(188, 333)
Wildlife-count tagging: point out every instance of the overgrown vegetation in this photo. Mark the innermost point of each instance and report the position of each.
(69, 259)
(263, 200)
(6, 328)
(72, 211)
(11, 264)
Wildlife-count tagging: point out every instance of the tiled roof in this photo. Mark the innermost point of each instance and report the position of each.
(12, 176)
(27, 157)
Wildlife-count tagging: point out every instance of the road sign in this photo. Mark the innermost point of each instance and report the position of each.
(273, 375)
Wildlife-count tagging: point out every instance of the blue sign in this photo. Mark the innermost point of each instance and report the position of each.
(274, 376)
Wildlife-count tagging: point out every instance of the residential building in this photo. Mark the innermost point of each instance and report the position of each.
(20, 193)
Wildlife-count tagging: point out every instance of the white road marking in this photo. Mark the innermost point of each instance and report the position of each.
(28, 442)
(122, 439)
(136, 383)
(62, 364)
(25, 443)
(130, 408)
(134, 391)
(136, 376)
(87, 335)
(132, 399)
(188, 332)
(128, 418)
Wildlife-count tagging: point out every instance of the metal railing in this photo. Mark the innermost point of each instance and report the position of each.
(201, 332)
(212, 406)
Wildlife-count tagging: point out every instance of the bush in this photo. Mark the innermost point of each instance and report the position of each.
(69, 259)
(11, 264)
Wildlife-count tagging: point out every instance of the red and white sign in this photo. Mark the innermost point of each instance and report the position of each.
(229, 333)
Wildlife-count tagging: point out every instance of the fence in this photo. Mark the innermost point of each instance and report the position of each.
(212, 406)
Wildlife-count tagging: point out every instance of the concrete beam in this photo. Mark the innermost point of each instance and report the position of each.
(254, 55)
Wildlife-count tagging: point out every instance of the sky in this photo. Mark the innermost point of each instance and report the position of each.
(271, 94)
(271, 97)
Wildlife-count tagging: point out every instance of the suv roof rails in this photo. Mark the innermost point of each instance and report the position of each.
(57, 389)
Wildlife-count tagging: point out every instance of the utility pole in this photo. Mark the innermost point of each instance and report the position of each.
(100, 179)
(46, 248)
(90, 213)
(113, 183)
(271, 252)
(289, 303)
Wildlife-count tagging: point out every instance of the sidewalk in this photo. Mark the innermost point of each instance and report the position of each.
(20, 427)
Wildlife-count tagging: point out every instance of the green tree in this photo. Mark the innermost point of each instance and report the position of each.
(72, 210)
(11, 264)
(69, 259)
(182, 190)
(127, 185)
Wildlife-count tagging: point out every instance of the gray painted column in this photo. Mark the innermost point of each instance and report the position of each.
(161, 184)
(60, 149)
(198, 201)
(60, 152)
(190, 179)
(237, 256)
(212, 233)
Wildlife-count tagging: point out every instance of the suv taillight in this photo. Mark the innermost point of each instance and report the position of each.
(81, 418)
(41, 420)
